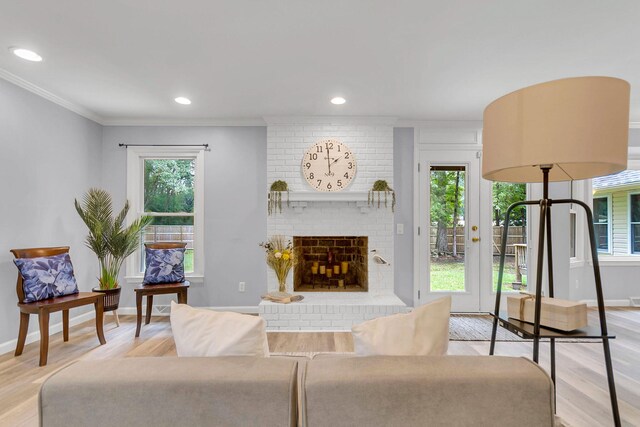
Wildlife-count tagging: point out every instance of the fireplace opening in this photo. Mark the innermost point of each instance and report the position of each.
(331, 263)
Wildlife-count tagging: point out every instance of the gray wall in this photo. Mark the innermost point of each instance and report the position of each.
(403, 182)
(49, 157)
(634, 137)
(235, 205)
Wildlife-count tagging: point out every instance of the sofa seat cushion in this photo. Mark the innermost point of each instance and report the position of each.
(427, 390)
(221, 391)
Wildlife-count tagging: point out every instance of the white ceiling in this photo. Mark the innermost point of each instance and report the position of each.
(125, 61)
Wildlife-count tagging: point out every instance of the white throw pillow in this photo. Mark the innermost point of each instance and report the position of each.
(423, 332)
(200, 333)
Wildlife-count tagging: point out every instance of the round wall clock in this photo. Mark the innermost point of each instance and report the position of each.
(329, 165)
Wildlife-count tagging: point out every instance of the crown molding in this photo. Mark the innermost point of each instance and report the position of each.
(333, 120)
(12, 78)
(184, 122)
(440, 124)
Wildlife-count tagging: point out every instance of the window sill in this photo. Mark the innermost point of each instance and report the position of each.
(194, 279)
(619, 261)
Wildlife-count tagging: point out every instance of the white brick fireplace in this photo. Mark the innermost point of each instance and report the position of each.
(333, 214)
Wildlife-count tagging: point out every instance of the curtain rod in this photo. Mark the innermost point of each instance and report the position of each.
(163, 145)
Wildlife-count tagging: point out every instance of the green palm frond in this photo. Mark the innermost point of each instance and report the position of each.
(108, 238)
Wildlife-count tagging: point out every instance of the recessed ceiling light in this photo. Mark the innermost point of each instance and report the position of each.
(182, 100)
(338, 100)
(27, 54)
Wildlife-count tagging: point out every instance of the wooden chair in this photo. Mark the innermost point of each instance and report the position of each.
(45, 307)
(159, 289)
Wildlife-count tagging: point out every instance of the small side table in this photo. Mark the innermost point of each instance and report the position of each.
(150, 290)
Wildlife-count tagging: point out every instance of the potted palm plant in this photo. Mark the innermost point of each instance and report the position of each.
(109, 239)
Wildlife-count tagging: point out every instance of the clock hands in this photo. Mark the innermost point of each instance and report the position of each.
(329, 163)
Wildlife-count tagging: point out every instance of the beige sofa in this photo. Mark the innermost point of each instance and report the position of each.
(276, 391)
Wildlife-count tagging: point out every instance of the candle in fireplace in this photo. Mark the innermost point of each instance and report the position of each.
(345, 267)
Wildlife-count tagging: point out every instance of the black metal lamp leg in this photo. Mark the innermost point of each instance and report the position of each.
(601, 313)
(552, 341)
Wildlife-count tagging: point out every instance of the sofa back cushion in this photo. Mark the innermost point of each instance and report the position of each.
(171, 391)
(201, 332)
(410, 391)
(422, 332)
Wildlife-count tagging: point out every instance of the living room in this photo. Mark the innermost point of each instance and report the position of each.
(242, 95)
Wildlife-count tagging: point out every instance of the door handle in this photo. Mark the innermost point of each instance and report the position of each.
(475, 239)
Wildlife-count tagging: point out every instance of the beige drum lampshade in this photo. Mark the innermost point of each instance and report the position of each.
(579, 125)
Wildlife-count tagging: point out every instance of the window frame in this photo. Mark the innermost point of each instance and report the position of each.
(630, 223)
(609, 250)
(136, 157)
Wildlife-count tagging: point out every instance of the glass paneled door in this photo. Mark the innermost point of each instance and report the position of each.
(452, 239)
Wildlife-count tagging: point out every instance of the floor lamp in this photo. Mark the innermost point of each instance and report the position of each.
(569, 129)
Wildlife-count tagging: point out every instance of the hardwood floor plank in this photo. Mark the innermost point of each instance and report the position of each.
(583, 396)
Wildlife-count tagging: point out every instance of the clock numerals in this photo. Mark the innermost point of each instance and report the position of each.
(307, 165)
(313, 156)
(318, 149)
(339, 182)
(330, 146)
(350, 166)
(311, 176)
(346, 155)
(346, 175)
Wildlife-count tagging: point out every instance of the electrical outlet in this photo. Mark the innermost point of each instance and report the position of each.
(399, 228)
(241, 287)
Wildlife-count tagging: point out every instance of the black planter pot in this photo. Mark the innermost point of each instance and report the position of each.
(111, 297)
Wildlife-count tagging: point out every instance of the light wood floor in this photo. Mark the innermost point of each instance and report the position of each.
(583, 398)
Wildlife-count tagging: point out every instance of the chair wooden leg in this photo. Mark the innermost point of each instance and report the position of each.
(65, 325)
(182, 297)
(22, 333)
(43, 318)
(116, 318)
(138, 313)
(147, 319)
(99, 305)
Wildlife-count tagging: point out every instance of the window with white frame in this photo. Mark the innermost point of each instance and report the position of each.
(634, 223)
(602, 223)
(166, 183)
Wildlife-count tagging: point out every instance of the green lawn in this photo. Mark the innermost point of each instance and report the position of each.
(449, 276)
(188, 261)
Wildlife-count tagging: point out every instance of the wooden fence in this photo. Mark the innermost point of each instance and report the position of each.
(516, 235)
(169, 233)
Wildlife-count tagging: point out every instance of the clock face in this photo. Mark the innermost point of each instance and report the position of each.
(329, 165)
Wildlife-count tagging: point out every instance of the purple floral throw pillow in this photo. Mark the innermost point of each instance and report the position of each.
(46, 277)
(164, 266)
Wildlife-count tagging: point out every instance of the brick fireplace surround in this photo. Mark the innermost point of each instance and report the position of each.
(323, 215)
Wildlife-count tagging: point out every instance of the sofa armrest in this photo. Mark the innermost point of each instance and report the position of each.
(222, 391)
(422, 390)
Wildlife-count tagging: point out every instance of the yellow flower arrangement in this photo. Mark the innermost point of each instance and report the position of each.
(279, 256)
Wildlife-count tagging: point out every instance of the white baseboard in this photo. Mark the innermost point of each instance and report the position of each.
(10, 346)
(608, 302)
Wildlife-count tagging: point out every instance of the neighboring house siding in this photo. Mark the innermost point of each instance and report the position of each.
(620, 232)
(620, 222)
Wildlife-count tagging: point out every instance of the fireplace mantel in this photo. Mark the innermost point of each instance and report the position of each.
(299, 200)
(317, 196)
